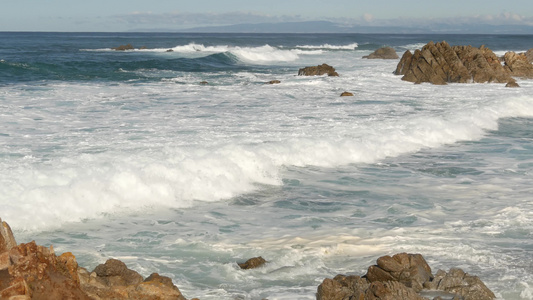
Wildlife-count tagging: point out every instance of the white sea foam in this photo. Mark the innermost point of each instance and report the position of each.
(352, 46)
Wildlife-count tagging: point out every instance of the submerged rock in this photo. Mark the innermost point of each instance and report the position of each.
(274, 82)
(318, 70)
(383, 53)
(403, 277)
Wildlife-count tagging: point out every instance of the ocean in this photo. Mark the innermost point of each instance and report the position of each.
(186, 162)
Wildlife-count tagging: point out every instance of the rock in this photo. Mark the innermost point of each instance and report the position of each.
(518, 65)
(170, 50)
(7, 239)
(274, 82)
(204, 82)
(458, 282)
(123, 47)
(318, 70)
(410, 269)
(252, 263)
(115, 272)
(512, 84)
(529, 55)
(346, 94)
(342, 287)
(441, 64)
(36, 272)
(30, 271)
(383, 53)
(392, 290)
(403, 277)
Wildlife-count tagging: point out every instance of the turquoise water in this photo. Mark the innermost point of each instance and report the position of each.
(126, 155)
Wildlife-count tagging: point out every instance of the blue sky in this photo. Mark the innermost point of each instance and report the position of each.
(124, 15)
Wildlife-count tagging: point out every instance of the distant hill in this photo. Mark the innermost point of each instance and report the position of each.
(331, 27)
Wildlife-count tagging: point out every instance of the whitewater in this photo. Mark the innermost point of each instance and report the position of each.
(185, 162)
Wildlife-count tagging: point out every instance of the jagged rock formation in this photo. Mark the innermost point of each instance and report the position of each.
(30, 271)
(518, 65)
(441, 64)
(318, 70)
(383, 53)
(402, 277)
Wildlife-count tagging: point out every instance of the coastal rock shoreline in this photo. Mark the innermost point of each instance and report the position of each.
(31, 271)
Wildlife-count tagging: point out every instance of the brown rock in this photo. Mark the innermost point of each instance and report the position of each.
(383, 53)
(518, 65)
(529, 55)
(7, 239)
(512, 84)
(274, 82)
(460, 283)
(252, 263)
(115, 272)
(318, 70)
(391, 290)
(204, 82)
(30, 271)
(346, 94)
(123, 47)
(403, 276)
(440, 64)
(35, 272)
(342, 287)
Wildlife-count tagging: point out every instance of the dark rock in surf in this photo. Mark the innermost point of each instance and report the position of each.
(170, 50)
(383, 53)
(123, 47)
(318, 70)
(253, 263)
(403, 277)
(204, 82)
(274, 82)
(346, 94)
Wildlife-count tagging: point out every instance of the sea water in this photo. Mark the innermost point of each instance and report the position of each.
(131, 155)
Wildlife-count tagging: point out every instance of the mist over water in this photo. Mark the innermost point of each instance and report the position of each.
(126, 155)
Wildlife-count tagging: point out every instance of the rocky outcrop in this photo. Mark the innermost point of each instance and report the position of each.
(274, 82)
(383, 53)
(31, 271)
(441, 64)
(318, 70)
(518, 65)
(253, 263)
(346, 94)
(403, 277)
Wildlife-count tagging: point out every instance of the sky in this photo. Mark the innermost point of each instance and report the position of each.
(131, 15)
